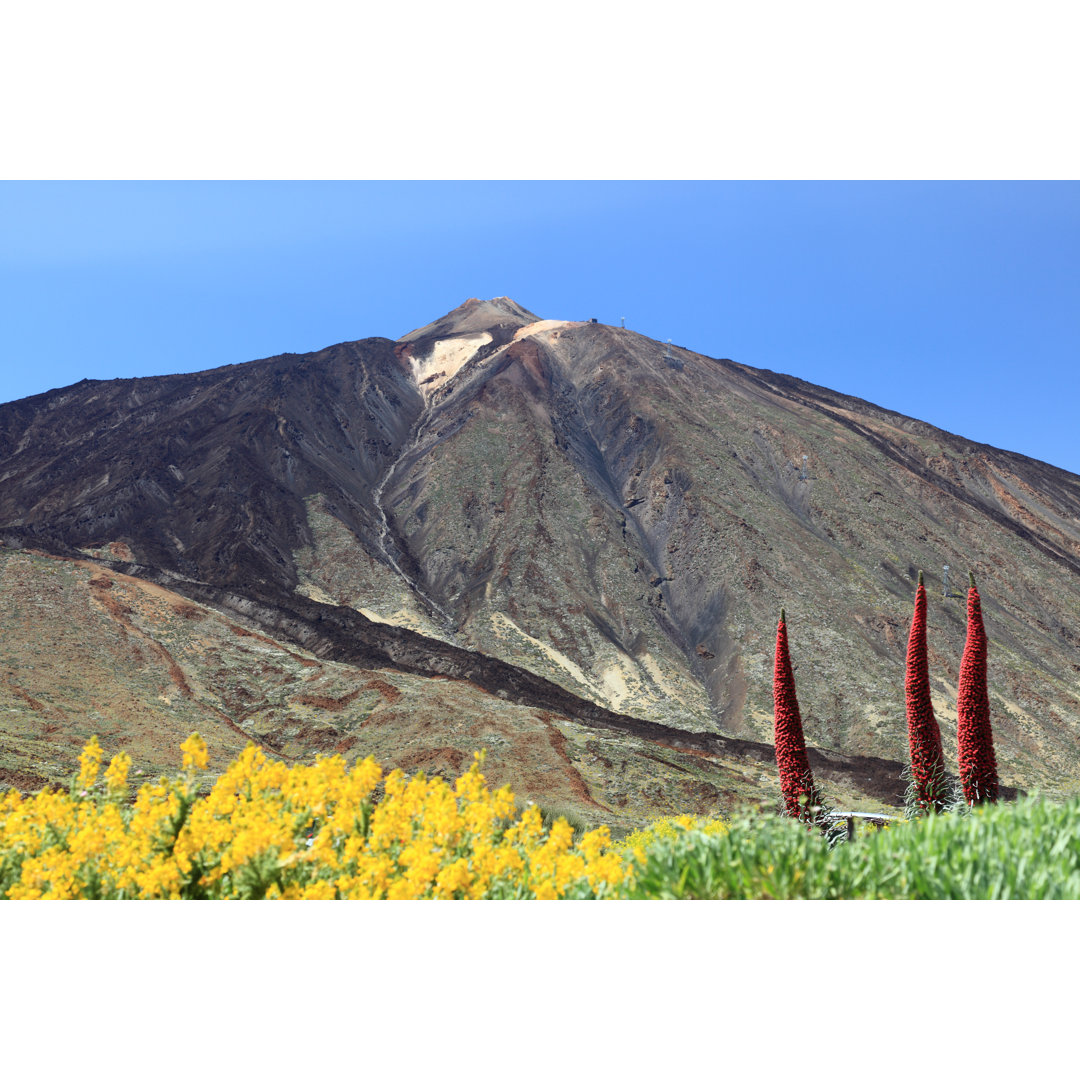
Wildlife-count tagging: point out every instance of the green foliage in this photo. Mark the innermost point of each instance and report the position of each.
(1027, 850)
(549, 815)
(757, 858)
(1023, 851)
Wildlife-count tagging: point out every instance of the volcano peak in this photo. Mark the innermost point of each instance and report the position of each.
(473, 316)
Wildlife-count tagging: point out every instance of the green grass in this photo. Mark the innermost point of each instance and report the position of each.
(549, 815)
(1029, 850)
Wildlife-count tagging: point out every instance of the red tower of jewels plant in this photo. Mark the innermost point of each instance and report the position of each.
(924, 735)
(978, 766)
(796, 780)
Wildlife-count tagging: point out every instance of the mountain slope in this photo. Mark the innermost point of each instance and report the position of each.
(567, 499)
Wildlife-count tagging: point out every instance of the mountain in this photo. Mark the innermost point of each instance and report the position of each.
(559, 540)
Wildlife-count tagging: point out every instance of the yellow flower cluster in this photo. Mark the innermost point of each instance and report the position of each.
(667, 828)
(318, 831)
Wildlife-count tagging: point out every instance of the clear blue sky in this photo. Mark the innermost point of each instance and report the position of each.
(957, 303)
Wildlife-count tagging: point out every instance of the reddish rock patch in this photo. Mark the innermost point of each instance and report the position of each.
(322, 701)
(558, 743)
(386, 691)
(445, 761)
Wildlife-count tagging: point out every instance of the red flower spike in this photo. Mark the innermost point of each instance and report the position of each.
(924, 735)
(796, 780)
(978, 766)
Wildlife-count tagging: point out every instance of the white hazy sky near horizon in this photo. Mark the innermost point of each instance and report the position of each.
(589, 90)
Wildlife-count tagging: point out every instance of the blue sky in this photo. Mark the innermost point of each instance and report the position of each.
(954, 302)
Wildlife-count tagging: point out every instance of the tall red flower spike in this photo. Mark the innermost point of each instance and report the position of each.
(924, 735)
(796, 781)
(978, 766)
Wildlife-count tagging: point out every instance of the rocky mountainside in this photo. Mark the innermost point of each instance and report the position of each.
(587, 531)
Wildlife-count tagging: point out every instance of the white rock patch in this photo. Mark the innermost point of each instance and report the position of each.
(502, 623)
(445, 360)
(539, 327)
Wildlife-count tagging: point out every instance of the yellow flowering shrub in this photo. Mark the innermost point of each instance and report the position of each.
(270, 830)
(667, 828)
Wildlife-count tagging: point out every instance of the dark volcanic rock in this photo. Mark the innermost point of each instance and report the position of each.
(206, 474)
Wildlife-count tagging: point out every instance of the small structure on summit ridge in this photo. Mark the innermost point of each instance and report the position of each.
(673, 362)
